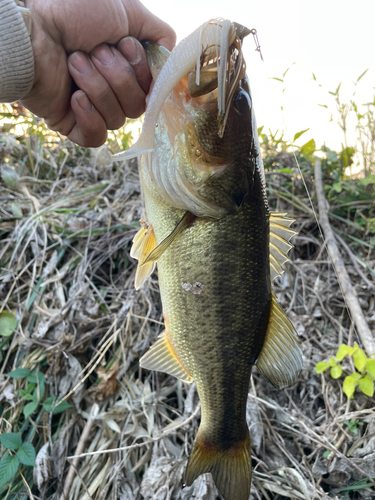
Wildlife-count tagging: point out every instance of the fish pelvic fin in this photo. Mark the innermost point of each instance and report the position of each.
(280, 359)
(161, 357)
(280, 234)
(157, 252)
(144, 242)
(230, 469)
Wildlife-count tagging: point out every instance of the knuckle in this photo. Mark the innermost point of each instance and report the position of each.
(116, 122)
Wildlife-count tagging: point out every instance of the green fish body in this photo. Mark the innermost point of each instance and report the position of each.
(217, 249)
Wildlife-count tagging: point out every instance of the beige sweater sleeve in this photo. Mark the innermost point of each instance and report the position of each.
(16, 55)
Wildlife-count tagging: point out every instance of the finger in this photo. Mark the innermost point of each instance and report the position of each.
(88, 126)
(146, 26)
(121, 78)
(135, 54)
(97, 89)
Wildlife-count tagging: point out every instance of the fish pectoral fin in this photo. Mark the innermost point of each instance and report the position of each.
(162, 358)
(280, 359)
(144, 243)
(230, 469)
(280, 234)
(161, 248)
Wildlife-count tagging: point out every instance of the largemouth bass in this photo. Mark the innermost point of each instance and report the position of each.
(216, 244)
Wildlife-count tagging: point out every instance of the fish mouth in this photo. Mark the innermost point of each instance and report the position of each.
(220, 66)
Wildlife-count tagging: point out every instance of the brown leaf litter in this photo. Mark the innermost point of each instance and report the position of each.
(67, 276)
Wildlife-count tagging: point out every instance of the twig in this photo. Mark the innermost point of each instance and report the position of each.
(355, 263)
(80, 446)
(348, 291)
(138, 445)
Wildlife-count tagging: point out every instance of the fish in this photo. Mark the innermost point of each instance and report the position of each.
(217, 246)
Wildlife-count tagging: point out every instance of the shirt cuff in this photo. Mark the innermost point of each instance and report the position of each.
(16, 55)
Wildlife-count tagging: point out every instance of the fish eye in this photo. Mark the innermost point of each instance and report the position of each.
(241, 102)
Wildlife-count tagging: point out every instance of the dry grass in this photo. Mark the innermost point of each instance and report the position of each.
(66, 228)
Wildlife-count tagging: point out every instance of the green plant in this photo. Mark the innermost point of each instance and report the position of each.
(34, 392)
(9, 464)
(353, 426)
(363, 376)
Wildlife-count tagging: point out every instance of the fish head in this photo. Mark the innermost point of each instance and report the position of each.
(205, 140)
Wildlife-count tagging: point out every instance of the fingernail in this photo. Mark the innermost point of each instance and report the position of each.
(81, 63)
(84, 102)
(130, 50)
(105, 54)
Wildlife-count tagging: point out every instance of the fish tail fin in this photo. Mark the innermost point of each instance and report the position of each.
(230, 468)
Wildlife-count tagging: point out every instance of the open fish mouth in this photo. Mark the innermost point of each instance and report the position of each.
(220, 66)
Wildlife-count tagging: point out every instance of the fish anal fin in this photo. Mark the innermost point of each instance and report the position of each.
(157, 252)
(162, 358)
(230, 468)
(280, 359)
(144, 243)
(280, 234)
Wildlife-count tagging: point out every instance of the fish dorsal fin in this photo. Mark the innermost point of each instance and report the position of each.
(161, 248)
(162, 358)
(280, 234)
(144, 243)
(280, 359)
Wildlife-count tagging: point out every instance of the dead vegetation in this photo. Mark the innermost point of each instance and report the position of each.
(67, 218)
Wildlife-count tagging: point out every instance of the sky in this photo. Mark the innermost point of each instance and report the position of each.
(332, 39)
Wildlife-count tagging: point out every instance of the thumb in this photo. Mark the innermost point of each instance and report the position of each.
(144, 25)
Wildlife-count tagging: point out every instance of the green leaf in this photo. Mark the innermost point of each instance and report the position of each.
(11, 440)
(39, 392)
(336, 372)
(321, 367)
(326, 453)
(277, 79)
(28, 397)
(30, 388)
(337, 186)
(309, 148)
(16, 210)
(26, 454)
(362, 75)
(370, 366)
(59, 408)
(8, 323)
(359, 358)
(8, 468)
(366, 384)
(19, 373)
(346, 157)
(298, 134)
(10, 176)
(36, 376)
(350, 384)
(343, 351)
(369, 179)
(30, 408)
(332, 361)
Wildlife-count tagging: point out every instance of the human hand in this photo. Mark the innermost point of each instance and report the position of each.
(94, 44)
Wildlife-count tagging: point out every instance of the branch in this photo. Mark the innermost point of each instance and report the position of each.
(348, 291)
(79, 449)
